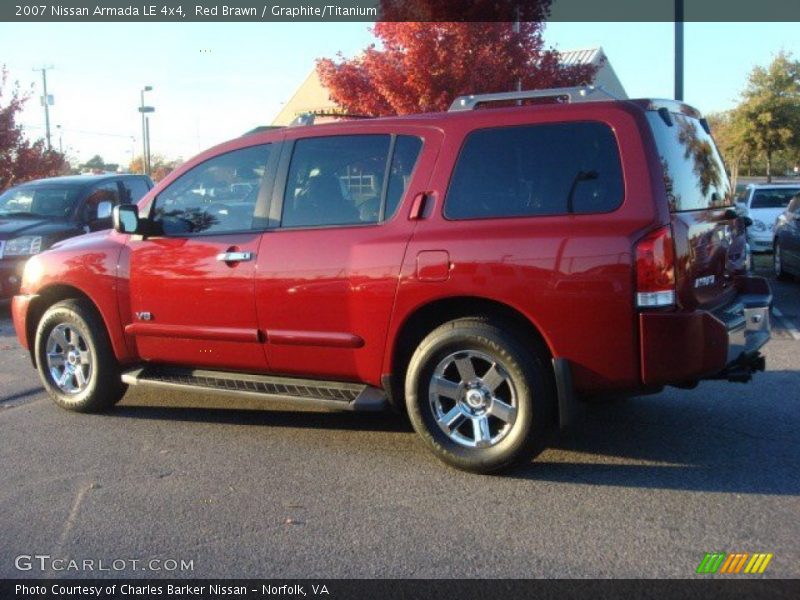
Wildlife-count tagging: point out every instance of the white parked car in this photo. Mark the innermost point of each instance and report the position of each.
(763, 202)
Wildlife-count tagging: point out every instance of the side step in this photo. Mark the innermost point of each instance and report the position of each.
(305, 392)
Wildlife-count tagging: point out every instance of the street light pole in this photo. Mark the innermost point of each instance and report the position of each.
(147, 134)
(145, 140)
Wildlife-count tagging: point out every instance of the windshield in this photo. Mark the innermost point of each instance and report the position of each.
(694, 175)
(34, 201)
(774, 198)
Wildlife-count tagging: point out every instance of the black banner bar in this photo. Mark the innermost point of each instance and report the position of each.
(337, 589)
(395, 10)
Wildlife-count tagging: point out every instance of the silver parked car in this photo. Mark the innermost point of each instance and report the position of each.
(763, 202)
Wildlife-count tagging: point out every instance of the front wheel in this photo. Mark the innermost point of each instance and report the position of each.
(479, 398)
(75, 360)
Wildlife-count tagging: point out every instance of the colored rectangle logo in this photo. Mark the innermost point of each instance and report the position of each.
(734, 563)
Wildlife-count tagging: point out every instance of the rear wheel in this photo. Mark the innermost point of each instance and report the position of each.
(777, 262)
(75, 360)
(479, 399)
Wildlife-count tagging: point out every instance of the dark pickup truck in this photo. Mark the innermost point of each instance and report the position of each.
(37, 214)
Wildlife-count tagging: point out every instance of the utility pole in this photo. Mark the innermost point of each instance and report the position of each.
(679, 50)
(145, 129)
(46, 102)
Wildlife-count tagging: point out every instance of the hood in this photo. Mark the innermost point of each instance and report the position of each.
(88, 240)
(11, 227)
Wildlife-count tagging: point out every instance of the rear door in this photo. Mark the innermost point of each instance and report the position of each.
(328, 273)
(192, 283)
(709, 236)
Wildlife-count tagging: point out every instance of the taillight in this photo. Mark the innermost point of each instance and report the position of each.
(655, 269)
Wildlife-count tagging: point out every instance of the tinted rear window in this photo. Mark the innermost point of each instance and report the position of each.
(533, 170)
(693, 173)
(775, 198)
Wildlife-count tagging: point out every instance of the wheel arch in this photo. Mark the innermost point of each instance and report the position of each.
(47, 297)
(423, 319)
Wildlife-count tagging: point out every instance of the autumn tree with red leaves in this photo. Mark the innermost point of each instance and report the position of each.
(21, 160)
(424, 66)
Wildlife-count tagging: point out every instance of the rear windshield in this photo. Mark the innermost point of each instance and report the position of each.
(775, 198)
(693, 172)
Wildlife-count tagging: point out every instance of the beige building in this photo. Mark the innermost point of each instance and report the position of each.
(312, 96)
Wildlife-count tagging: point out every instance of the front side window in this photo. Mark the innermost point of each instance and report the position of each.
(536, 170)
(342, 180)
(135, 189)
(216, 196)
(104, 192)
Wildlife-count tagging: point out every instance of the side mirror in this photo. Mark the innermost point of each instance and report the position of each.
(104, 210)
(126, 218)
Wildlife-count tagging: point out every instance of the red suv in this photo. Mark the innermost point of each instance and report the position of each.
(480, 269)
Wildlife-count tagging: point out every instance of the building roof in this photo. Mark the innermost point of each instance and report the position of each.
(312, 96)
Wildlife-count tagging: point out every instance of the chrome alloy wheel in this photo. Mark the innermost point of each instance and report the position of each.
(69, 359)
(473, 399)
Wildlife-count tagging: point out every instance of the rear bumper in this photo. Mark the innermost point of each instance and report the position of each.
(680, 348)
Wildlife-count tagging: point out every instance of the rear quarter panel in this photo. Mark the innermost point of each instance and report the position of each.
(571, 276)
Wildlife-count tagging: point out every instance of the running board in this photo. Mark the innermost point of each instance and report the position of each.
(305, 392)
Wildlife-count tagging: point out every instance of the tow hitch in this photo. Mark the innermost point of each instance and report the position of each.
(742, 369)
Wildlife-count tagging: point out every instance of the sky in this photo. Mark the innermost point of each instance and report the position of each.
(214, 81)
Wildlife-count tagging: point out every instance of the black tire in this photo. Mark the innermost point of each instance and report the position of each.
(527, 383)
(778, 263)
(101, 386)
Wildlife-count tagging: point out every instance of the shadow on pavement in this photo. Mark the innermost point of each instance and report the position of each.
(268, 417)
(742, 440)
(719, 437)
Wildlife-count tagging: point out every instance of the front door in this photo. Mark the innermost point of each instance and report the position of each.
(328, 275)
(192, 284)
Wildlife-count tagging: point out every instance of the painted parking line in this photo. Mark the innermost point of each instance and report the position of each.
(787, 323)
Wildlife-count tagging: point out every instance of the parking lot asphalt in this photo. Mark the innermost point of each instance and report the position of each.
(642, 487)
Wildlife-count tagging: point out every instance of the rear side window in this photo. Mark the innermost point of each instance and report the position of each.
(135, 188)
(775, 198)
(347, 179)
(536, 170)
(693, 173)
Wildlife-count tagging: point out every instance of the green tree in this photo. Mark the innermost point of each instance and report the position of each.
(732, 141)
(96, 163)
(768, 118)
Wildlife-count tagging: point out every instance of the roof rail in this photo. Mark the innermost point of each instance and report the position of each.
(571, 94)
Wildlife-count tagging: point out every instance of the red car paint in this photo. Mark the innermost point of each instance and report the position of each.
(330, 302)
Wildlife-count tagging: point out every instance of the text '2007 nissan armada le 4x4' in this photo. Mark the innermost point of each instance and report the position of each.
(479, 269)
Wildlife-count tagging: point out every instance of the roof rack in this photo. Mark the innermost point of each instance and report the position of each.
(570, 94)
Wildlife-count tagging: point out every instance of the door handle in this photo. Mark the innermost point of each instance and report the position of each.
(231, 257)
